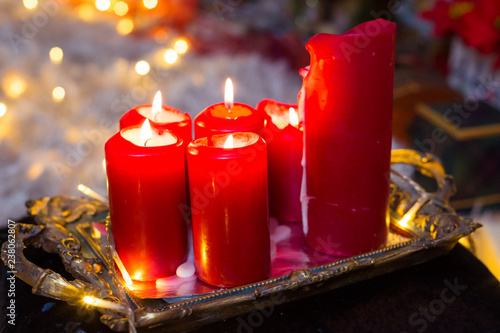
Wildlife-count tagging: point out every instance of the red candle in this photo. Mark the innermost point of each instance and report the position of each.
(227, 117)
(146, 187)
(160, 116)
(229, 208)
(348, 115)
(284, 137)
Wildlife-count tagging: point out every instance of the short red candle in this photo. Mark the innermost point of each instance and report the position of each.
(348, 117)
(169, 119)
(284, 146)
(229, 205)
(218, 119)
(227, 117)
(146, 187)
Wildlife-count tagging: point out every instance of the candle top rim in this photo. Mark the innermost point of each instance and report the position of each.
(206, 114)
(280, 116)
(170, 137)
(267, 101)
(217, 141)
(252, 123)
(236, 111)
(386, 27)
(165, 108)
(326, 41)
(118, 145)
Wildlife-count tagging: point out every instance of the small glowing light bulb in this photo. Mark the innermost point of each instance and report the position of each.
(150, 4)
(142, 67)
(58, 94)
(14, 85)
(56, 55)
(181, 46)
(171, 56)
(3, 109)
(102, 5)
(30, 4)
(121, 8)
(125, 26)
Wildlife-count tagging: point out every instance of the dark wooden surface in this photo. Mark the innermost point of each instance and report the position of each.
(454, 293)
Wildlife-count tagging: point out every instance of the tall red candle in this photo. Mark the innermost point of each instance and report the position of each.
(284, 145)
(167, 118)
(146, 187)
(227, 117)
(230, 209)
(348, 115)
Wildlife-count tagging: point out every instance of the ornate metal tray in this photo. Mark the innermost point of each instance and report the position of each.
(423, 227)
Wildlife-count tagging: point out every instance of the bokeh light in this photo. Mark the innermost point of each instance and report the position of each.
(13, 85)
(125, 26)
(102, 5)
(86, 12)
(3, 109)
(171, 56)
(56, 55)
(150, 4)
(58, 94)
(30, 4)
(121, 8)
(142, 67)
(180, 46)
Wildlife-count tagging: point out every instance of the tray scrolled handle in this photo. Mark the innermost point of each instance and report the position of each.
(50, 233)
(410, 216)
(429, 165)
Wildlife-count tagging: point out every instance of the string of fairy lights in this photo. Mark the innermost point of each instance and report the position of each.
(89, 9)
(14, 85)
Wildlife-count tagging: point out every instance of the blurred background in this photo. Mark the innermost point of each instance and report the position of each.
(70, 68)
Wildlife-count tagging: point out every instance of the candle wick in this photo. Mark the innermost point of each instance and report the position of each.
(155, 118)
(146, 143)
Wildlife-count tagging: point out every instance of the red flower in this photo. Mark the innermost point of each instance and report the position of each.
(479, 32)
(443, 23)
(478, 28)
(490, 9)
(446, 15)
(477, 22)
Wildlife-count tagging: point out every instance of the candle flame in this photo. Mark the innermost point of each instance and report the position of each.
(229, 94)
(293, 116)
(157, 105)
(146, 133)
(229, 142)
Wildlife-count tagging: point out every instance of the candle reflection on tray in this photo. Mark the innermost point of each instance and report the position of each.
(289, 252)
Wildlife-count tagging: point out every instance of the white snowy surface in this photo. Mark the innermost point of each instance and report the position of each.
(48, 148)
